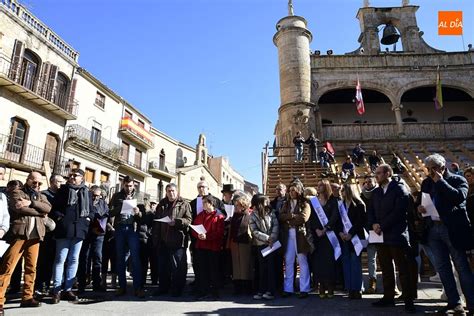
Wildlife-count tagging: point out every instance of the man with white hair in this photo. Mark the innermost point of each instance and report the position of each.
(449, 234)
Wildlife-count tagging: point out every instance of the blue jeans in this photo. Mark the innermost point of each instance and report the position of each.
(444, 252)
(126, 238)
(66, 249)
(372, 260)
(352, 267)
(299, 153)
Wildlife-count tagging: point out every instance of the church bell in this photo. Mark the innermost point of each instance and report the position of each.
(390, 35)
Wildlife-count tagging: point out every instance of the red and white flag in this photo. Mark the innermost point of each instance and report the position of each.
(359, 99)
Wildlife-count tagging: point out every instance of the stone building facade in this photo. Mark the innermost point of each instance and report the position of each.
(56, 116)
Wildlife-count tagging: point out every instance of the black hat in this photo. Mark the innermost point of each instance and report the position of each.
(228, 188)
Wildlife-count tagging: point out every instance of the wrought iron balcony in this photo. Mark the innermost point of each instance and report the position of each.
(90, 142)
(24, 156)
(136, 133)
(38, 91)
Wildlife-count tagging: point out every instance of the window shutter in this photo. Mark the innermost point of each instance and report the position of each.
(72, 93)
(43, 82)
(53, 73)
(16, 61)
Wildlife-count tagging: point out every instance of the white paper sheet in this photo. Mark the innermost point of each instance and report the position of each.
(199, 207)
(128, 206)
(229, 209)
(429, 207)
(165, 219)
(266, 251)
(374, 238)
(3, 247)
(199, 229)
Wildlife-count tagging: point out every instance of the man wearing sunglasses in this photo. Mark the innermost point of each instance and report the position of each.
(28, 208)
(71, 210)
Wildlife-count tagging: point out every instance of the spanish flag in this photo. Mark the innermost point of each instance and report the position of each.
(438, 99)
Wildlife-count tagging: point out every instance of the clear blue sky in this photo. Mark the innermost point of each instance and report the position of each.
(210, 66)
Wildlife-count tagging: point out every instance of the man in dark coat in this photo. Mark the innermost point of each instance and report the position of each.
(71, 211)
(47, 251)
(127, 237)
(298, 141)
(388, 216)
(312, 143)
(449, 233)
(170, 240)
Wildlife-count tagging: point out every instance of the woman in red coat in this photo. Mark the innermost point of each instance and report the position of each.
(208, 246)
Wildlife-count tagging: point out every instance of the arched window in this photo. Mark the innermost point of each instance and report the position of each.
(162, 160)
(29, 69)
(62, 86)
(17, 138)
(203, 156)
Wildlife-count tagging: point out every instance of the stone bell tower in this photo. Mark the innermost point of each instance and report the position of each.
(292, 40)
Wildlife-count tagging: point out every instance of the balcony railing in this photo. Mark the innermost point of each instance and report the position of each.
(142, 167)
(85, 137)
(130, 128)
(38, 91)
(25, 155)
(387, 131)
(33, 23)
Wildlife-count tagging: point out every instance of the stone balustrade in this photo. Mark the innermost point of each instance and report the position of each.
(388, 131)
(39, 27)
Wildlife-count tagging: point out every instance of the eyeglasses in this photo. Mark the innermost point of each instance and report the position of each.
(36, 183)
(202, 187)
(96, 195)
(75, 175)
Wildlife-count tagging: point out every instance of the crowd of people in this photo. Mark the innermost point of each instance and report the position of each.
(70, 236)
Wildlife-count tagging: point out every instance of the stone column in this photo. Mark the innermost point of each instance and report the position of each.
(398, 117)
(318, 122)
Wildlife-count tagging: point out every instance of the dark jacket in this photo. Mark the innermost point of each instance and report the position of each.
(276, 205)
(145, 226)
(389, 210)
(331, 209)
(172, 236)
(69, 223)
(312, 142)
(298, 141)
(358, 217)
(449, 195)
(20, 218)
(116, 203)
(100, 214)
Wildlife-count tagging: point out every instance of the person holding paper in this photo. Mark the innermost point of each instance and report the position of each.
(449, 236)
(91, 251)
(208, 246)
(240, 242)
(225, 258)
(323, 257)
(126, 222)
(170, 241)
(196, 208)
(28, 208)
(295, 238)
(388, 215)
(351, 261)
(265, 229)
